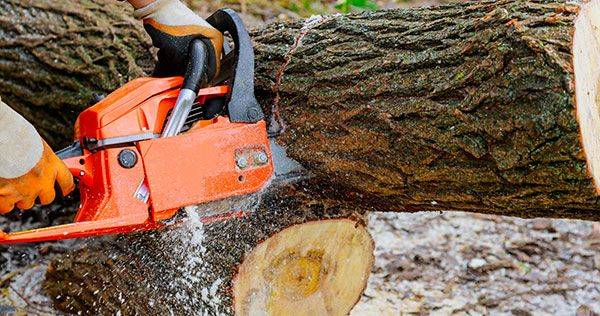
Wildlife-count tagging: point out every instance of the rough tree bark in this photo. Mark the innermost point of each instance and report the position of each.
(468, 107)
(55, 54)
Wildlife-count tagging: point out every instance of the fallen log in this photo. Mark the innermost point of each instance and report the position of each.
(486, 107)
(297, 251)
(54, 55)
(472, 107)
(466, 107)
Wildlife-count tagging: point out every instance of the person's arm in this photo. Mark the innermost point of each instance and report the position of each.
(28, 167)
(172, 26)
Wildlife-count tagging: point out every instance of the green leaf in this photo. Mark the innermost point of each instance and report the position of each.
(358, 5)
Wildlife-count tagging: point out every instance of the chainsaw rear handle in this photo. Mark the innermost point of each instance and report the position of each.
(242, 106)
(107, 222)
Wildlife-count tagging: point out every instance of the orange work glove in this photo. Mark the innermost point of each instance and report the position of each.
(29, 169)
(172, 26)
(37, 184)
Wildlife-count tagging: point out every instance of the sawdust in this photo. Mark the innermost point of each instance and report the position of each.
(426, 263)
(23, 267)
(189, 273)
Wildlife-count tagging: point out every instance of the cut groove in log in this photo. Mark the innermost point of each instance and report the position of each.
(586, 63)
(318, 268)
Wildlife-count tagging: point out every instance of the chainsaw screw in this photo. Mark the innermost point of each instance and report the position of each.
(261, 158)
(127, 158)
(242, 162)
(253, 113)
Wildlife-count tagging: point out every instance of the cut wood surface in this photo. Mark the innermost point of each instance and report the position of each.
(586, 63)
(317, 268)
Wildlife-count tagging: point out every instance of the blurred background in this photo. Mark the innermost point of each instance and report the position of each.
(260, 11)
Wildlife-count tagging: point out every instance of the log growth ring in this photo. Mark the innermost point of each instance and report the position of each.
(317, 268)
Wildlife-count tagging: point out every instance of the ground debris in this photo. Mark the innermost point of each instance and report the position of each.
(460, 263)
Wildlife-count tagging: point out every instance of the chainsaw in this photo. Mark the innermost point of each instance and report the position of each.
(157, 145)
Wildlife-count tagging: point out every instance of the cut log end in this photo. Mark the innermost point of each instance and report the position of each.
(317, 268)
(586, 62)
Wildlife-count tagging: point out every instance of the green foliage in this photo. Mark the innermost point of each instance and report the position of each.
(301, 8)
(308, 7)
(346, 6)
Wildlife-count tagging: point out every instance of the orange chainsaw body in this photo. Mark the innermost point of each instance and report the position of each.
(158, 176)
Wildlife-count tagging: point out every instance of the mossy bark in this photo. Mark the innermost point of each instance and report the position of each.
(465, 107)
(55, 54)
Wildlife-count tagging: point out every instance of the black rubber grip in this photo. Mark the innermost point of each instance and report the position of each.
(243, 106)
(197, 72)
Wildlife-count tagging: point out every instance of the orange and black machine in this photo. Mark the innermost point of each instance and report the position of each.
(156, 145)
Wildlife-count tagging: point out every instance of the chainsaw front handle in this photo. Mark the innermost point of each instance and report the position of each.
(243, 106)
(195, 78)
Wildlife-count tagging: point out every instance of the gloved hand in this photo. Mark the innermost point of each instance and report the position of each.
(172, 26)
(29, 169)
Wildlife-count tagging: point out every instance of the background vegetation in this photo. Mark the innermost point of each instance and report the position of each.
(265, 11)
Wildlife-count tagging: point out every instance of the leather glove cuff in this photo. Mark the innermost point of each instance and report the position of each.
(144, 12)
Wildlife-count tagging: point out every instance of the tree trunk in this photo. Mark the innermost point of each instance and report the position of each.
(55, 54)
(485, 107)
(466, 107)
